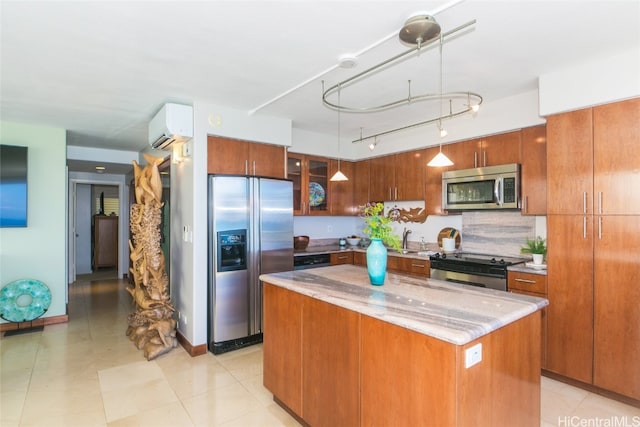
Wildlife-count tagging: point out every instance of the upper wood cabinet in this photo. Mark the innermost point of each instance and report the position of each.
(381, 178)
(499, 149)
(616, 158)
(342, 191)
(570, 162)
(310, 177)
(433, 181)
(237, 157)
(593, 161)
(533, 160)
(360, 185)
(491, 150)
(397, 176)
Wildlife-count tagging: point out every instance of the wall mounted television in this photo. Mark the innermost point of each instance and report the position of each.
(13, 186)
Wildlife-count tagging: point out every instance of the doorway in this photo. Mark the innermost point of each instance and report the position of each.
(82, 203)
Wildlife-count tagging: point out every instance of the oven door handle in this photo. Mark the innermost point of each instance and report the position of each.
(497, 191)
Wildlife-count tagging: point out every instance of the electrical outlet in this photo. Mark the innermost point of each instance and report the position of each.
(329, 228)
(473, 355)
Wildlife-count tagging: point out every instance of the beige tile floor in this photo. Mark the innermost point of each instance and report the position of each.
(87, 373)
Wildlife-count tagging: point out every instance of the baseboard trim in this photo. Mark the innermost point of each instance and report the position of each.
(193, 351)
(42, 321)
(592, 388)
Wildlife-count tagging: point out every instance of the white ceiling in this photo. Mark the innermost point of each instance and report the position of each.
(101, 69)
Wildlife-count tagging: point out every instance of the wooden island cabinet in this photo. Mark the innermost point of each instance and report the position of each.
(333, 358)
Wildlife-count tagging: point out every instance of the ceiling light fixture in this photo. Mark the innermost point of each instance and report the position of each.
(100, 169)
(440, 160)
(420, 30)
(373, 144)
(338, 176)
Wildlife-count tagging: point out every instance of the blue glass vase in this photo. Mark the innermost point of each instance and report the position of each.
(376, 262)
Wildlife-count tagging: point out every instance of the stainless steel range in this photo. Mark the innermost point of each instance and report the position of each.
(486, 271)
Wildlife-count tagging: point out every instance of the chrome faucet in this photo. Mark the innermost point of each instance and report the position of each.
(405, 234)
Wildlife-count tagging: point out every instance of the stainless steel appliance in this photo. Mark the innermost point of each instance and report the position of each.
(491, 187)
(486, 271)
(250, 233)
(305, 261)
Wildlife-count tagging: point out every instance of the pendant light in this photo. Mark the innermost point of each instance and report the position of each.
(440, 160)
(339, 176)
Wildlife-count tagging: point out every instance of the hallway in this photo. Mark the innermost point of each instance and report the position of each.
(87, 373)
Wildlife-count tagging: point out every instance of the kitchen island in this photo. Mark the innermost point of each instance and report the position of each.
(338, 351)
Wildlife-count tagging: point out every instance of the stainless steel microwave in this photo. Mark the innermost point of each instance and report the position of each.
(491, 187)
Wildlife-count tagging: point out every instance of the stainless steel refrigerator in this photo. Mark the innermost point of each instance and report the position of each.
(250, 233)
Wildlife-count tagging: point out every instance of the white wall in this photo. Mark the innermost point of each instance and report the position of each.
(39, 250)
(607, 79)
(496, 116)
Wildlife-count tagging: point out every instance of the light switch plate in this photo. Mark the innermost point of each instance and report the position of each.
(473, 355)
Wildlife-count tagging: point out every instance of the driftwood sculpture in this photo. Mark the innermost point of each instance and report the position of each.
(407, 215)
(152, 326)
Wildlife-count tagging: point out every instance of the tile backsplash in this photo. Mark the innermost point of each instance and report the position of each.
(500, 233)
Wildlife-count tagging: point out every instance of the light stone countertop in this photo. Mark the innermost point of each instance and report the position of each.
(454, 313)
(524, 269)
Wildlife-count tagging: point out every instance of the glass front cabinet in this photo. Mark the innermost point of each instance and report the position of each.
(310, 177)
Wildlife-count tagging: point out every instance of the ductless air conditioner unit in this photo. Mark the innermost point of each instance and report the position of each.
(173, 123)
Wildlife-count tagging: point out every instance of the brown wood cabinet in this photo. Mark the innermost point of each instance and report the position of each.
(594, 325)
(535, 285)
(360, 185)
(498, 149)
(321, 382)
(342, 191)
(430, 389)
(570, 162)
(105, 241)
(533, 161)
(330, 365)
(616, 158)
(281, 360)
(237, 157)
(617, 305)
(399, 264)
(433, 179)
(381, 178)
(310, 177)
(397, 176)
(337, 258)
(357, 370)
(417, 267)
(490, 150)
(360, 258)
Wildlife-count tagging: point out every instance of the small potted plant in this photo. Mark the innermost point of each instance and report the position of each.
(537, 248)
(378, 228)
